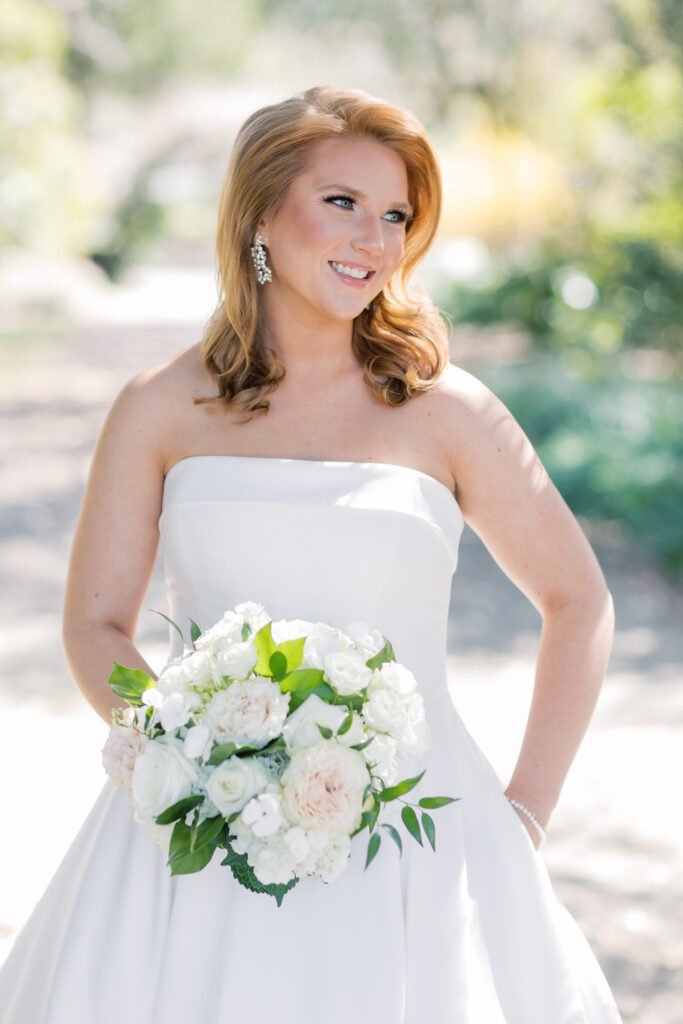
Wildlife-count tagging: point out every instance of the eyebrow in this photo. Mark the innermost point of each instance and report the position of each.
(361, 195)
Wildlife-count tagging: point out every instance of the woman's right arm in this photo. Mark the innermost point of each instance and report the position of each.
(115, 543)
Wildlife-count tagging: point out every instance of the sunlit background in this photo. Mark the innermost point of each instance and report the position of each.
(559, 129)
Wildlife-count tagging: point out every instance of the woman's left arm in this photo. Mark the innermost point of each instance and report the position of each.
(508, 499)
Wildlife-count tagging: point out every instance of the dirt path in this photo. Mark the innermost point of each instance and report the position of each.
(616, 848)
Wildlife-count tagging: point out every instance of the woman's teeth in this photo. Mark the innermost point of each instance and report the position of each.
(349, 271)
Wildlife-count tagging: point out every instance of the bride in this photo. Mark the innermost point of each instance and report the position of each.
(318, 453)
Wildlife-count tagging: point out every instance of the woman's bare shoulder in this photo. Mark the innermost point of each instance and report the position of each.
(152, 405)
(465, 408)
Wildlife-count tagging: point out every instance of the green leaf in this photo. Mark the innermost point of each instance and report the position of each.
(277, 664)
(391, 792)
(246, 630)
(386, 654)
(170, 622)
(346, 724)
(244, 874)
(221, 752)
(437, 801)
(129, 683)
(430, 831)
(303, 680)
(179, 809)
(394, 835)
(266, 646)
(411, 823)
(293, 651)
(327, 733)
(362, 746)
(373, 847)
(182, 859)
(195, 631)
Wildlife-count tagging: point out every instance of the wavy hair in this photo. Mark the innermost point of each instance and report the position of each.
(401, 341)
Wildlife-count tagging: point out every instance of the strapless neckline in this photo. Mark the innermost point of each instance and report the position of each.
(322, 462)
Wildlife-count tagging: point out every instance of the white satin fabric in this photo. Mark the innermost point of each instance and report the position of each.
(471, 934)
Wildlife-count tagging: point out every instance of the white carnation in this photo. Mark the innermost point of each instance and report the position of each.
(334, 859)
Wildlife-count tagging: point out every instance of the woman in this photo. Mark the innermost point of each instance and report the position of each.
(308, 455)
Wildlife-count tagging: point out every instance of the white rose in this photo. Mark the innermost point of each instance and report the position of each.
(320, 641)
(386, 711)
(162, 775)
(198, 742)
(197, 668)
(393, 676)
(237, 660)
(247, 713)
(234, 782)
(174, 712)
(347, 672)
(322, 788)
(172, 679)
(301, 727)
(369, 641)
(120, 752)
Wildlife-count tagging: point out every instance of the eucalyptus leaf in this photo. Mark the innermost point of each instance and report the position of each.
(411, 823)
(170, 622)
(195, 631)
(346, 724)
(246, 630)
(327, 733)
(362, 746)
(394, 835)
(437, 801)
(391, 792)
(373, 847)
(430, 831)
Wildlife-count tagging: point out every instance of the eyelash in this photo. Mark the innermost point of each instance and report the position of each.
(402, 215)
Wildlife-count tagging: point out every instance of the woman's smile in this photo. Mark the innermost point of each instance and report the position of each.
(352, 273)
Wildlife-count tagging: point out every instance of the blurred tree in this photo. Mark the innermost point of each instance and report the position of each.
(47, 190)
(133, 46)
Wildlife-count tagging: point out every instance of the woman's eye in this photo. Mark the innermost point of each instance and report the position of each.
(344, 199)
(401, 216)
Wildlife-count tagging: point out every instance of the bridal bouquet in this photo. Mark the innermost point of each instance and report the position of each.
(274, 741)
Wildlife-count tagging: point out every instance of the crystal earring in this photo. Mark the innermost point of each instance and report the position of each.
(258, 255)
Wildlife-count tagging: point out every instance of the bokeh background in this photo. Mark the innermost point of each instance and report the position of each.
(559, 262)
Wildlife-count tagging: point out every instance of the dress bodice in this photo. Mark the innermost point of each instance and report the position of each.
(328, 541)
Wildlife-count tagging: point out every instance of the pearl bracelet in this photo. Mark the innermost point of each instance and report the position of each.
(532, 818)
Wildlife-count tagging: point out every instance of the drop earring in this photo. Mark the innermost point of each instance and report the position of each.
(258, 255)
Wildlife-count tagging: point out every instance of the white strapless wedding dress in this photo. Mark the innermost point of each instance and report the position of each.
(469, 934)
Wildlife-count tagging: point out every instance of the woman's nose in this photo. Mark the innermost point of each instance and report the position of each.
(369, 237)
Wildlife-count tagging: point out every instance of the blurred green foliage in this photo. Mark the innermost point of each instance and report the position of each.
(47, 197)
(613, 446)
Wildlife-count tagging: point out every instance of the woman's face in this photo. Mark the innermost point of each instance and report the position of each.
(347, 211)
